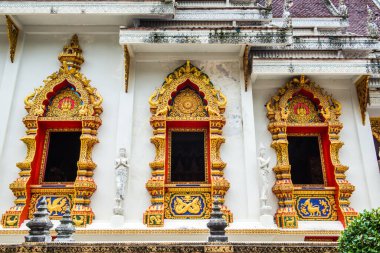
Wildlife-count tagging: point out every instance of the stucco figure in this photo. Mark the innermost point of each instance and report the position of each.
(264, 174)
(121, 177)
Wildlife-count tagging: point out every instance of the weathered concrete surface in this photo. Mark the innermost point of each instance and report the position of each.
(309, 247)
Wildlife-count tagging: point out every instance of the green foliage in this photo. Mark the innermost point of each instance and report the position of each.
(362, 234)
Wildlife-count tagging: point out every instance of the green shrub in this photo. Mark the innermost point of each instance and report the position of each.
(362, 234)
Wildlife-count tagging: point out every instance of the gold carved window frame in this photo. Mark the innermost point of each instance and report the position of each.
(45, 154)
(161, 109)
(206, 154)
(88, 114)
(330, 110)
(305, 186)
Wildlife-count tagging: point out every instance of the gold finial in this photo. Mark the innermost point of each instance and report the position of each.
(188, 66)
(72, 54)
(302, 80)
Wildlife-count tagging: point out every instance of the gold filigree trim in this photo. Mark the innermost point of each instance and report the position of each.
(362, 90)
(127, 62)
(12, 32)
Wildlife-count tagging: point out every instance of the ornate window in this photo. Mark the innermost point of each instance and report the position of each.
(62, 122)
(310, 181)
(187, 173)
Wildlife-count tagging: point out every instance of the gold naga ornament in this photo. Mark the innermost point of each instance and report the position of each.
(303, 104)
(170, 201)
(66, 96)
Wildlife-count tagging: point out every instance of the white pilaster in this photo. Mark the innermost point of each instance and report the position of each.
(253, 196)
(8, 86)
(370, 167)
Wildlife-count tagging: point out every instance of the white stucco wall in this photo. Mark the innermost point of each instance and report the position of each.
(104, 65)
(3, 52)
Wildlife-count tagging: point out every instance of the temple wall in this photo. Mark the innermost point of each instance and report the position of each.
(126, 123)
(362, 164)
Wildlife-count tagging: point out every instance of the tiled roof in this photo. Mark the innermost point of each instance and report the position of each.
(357, 15)
(303, 8)
(357, 11)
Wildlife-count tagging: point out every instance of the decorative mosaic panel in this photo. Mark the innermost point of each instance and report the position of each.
(316, 208)
(187, 205)
(56, 204)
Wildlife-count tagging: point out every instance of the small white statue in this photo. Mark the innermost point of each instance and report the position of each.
(342, 9)
(372, 28)
(121, 176)
(286, 14)
(264, 173)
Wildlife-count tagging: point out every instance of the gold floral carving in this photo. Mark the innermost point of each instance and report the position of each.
(188, 104)
(362, 90)
(127, 60)
(281, 110)
(375, 126)
(12, 31)
(176, 101)
(65, 96)
(247, 66)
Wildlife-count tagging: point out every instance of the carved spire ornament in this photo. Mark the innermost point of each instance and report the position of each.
(40, 225)
(12, 32)
(286, 16)
(372, 27)
(342, 9)
(66, 101)
(65, 229)
(217, 224)
(302, 108)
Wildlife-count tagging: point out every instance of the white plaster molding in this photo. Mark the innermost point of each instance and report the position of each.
(86, 7)
(335, 22)
(48, 30)
(196, 56)
(359, 67)
(330, 43)
(221, 15)
(205, 36)
(7, 88)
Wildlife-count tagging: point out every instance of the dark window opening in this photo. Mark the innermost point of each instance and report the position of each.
(305, 160)
(187, 157)
(62, 157)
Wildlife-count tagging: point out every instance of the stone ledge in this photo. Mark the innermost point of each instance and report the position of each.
(171, 247)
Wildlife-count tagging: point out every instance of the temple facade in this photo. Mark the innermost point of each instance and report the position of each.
(139, 115)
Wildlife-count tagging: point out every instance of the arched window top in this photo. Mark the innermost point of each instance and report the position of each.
(189, 80)
(67, 85)
(301, 101)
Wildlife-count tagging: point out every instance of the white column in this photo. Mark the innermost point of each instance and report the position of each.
(368, 154)
(250, 154)
(8, 86)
